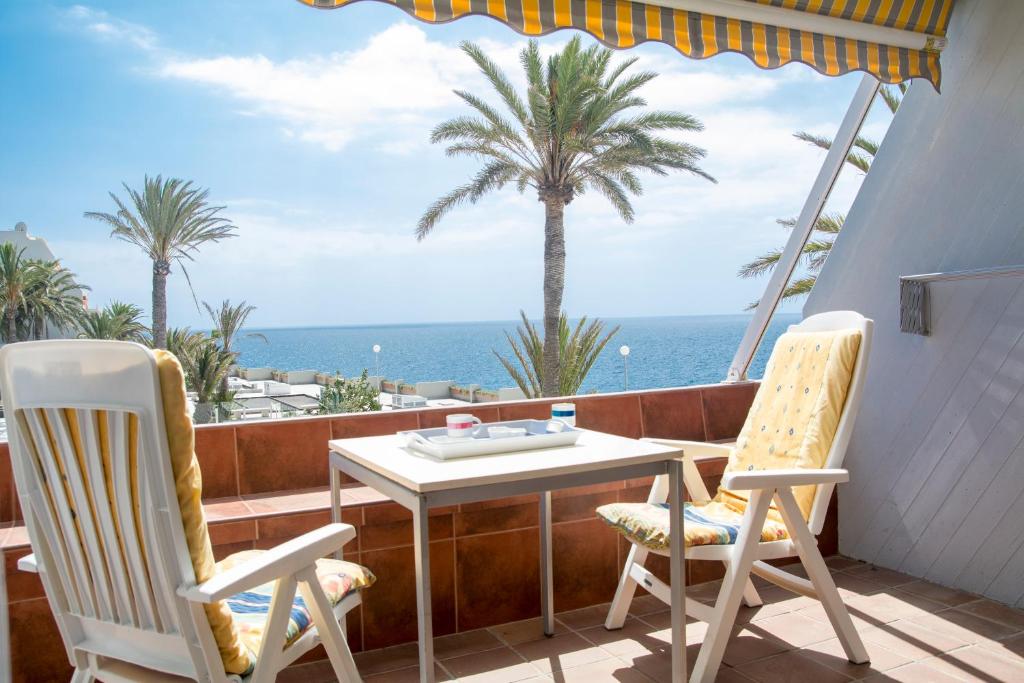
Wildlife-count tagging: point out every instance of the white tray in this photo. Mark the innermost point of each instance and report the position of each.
(539, 434)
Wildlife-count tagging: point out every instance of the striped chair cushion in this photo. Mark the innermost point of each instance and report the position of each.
(251, 608)
(711, 523)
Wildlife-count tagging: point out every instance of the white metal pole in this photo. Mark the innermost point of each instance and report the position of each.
(830, 168)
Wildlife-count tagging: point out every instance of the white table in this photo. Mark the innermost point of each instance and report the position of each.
(419, 482)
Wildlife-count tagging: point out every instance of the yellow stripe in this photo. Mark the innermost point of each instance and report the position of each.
(460, 7)
(761, 44)
(940, 27)
(707, 30)
(894, 64)
(733, 35)
(531, 17)
(496, 8)
(624, 23)
(594, 23)
(653, 16)
(904, 16)
(681, 28)
(807, 47)
(831, 56)
(785, 49)
(424, 9)
(563, 13)
(861, 10)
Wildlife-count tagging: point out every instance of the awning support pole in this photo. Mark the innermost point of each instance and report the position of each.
(790, 258)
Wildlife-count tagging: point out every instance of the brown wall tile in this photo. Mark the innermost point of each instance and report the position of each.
(581, 506)
(390, 534)
(283, 527)
(726, 407)
(615, 414)
(232, 532)
(389, 607)
(6, 485)
(282, 455)
(222, 551)
(20, 585)
(497, 519)
(498, 578)
(672, 414)
(215, 449)
(585, 562)
(373, 424)
(532, 410)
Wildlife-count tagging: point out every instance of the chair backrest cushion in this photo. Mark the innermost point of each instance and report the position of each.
(188, 484)
(797, 408)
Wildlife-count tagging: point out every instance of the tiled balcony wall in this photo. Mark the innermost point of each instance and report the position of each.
(265, 482)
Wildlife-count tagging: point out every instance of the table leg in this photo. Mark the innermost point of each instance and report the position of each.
(334, 475)
(547, 591)
(424, 614)
(677, 572)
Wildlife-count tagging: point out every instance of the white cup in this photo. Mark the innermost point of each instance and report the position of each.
(461, 425)
(566, 412)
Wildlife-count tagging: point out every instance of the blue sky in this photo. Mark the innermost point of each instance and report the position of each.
(312, 128)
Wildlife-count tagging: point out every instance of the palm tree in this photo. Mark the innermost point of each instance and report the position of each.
(228, 321)
(117, 321)
(572, 131)
(578, 352)
(55, 299)
(206, 365)
(827, 227)
(183, 342)
(18, 276)
(169, 220)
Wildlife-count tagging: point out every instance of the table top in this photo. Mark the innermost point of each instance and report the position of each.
(390, 458)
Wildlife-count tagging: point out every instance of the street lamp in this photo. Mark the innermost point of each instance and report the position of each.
(624, 351)
(376, 359)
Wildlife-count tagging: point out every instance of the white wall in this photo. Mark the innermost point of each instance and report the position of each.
(937, 459)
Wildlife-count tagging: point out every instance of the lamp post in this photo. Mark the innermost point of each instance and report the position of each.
(624, 350)
(376, 359)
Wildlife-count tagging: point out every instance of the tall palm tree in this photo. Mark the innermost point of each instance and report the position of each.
(573, 130)
(18, 276)
(169, 220)
(228, 321)
(827, 227)
(54, 300)
(118, 321)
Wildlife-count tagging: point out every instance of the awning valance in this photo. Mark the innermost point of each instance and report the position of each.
(893, 40)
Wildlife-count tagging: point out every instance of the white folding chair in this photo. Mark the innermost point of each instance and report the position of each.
(109, 488)
(753, 536)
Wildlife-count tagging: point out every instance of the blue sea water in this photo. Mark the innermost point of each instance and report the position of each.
(664, 352)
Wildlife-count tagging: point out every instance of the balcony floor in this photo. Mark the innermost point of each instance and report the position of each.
(914, 631)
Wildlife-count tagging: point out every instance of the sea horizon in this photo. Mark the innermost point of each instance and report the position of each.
(665, 351)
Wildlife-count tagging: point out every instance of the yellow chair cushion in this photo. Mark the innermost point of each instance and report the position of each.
(710, 523)
(188, 485)
(251, 608)
(796, 410)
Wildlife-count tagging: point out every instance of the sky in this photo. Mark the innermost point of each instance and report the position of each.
(312, 129)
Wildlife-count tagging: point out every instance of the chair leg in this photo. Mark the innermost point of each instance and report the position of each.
(82, 676)
(331, 634)
(750, 596)
(737, 576)
(627, 587)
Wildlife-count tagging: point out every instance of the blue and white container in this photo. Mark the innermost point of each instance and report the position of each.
(566, 412)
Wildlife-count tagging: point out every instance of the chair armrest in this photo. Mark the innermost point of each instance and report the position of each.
(777, 479)
(28, 564)
(280, 561)
(694, 449)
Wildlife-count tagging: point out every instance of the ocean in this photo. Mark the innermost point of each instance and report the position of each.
(664, 351)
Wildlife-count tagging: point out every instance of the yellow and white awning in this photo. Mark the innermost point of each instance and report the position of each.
(893, 40)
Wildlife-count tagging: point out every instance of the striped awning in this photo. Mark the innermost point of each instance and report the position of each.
(894, 40)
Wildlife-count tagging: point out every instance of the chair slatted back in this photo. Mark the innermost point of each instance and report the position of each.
(90, 458)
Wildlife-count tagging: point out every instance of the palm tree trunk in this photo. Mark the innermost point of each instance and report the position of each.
(12, 324)
(160, 272)
(554, 283)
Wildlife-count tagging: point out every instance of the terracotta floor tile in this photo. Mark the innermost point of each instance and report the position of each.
(831, 654)
(524, 631)
(467, 643)
(976, 663)
(793, 629)
(996, 612)
(634, 638)
(851, 585)
(790, 666)
(313, 672)
(1011, 648)
(965, 626)
(839, 563)
(914, 673)
(912, 640)
(933, 591)
(886, 577)
(646, 604)
(584, 617)
(612, 670)
(387, 659)
(561, 652)
(746, 645)
(407, 675)
(494, 666)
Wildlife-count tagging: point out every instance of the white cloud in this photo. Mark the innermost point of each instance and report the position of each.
(102, 26)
